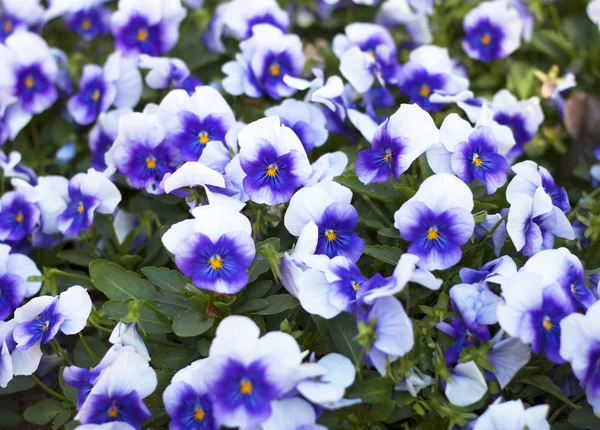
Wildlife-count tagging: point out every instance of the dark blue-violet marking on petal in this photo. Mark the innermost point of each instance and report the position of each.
(336, 232)
(90, 22)
(193, 411)
(18, 217)
(382, 159)
(42, 329)
(148, 166)
(197, 132)
(12, 293)
(127, 408)
(420, 85)
(82, 379)
(139, 36)
(32, 83)
(486, 38)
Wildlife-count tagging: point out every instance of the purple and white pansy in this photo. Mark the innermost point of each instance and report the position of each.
(19, 15)
(15, 269)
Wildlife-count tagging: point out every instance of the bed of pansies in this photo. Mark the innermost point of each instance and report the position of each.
(300, 214)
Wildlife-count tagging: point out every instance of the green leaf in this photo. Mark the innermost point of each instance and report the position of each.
(43, 412)
(152, 322)
(278, 303)
(119, 284)
(257, 291)
(373, 390)
(343, 330)
(191, 324)
(391, 232)
(76, 258)
(61, 419)
(384, 253)
(166, 279)
(544, 383)
(382, 192)
(174, 358)
(381, 411)
(252, 306)
(17, 384)
(584, 418)
(257, 268)
(116, 309)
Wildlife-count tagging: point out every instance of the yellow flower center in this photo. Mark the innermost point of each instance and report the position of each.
(142, 35)
(387, 156)
(203, 138)
(547, 324)
(432, 234)
(8, 26)
(113, 412)
(424, 91)
(150, 163)
(199, 414)
(19, 218)
(80, 208)
(86, 24)
(330, 235)
(29, 82)
(486, 39)
(372, 54)
(272, 171)
(469, 337)
(96, 95)
(275, 69)
(246, 387)
(46, 325)
(215, 262)
(477, 161)
(355, 286)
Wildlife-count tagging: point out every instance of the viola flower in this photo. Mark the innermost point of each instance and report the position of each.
(529, 177)
(333, 291)
(367, 52)
(467, 385)
(292, 413)
(102, 136)
(533, 222)
(430, 70)
(329, 387)
(566, 269)
(234, 19)
(117, 395)
(13, 168)
(393, 332)
(96, 94)
(245, 378)
(89, 22)
(492, 31)
(274, 161)
(266, 58)
(88, 193)
(196, 121)
(126, 334)
(306, 120)
(524, 117)
(15, 269)
(187, 400)
(142, 151)
(397, 142)
(18, 216)
(17, 15)
(164, 72)
(534, 309)
(40, 319)
(496, 241)
(147, 27)
(214, 249)
(437, 220)
(496, 271)
(512, 415)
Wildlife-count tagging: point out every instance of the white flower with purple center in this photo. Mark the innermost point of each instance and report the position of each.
(512, 415)
(580, 340)
(214, 250)
(117, 395)
(88, 193)
(492, 31)
(142, 151)
(396, 143)
(15, 269)
(470, 153)
(147, 26)
(197, 121)
(274, 161)
(535, 306)
(367, 52)
(533, 222)
(187, 400)
(244, 378)
(437, 221)
(39, 320)
(89, 19)
(19, 15)
(266, 58)
(96, 94)
(430, 70)
(393, 332)
(305, 119)
(164, 72)
(236, 20)
(18, 216)
(566, 269)
(102, 136)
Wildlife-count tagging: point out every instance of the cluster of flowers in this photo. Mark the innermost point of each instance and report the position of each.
(191, 145)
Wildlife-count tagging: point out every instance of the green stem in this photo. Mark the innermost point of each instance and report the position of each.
(70, 275)
(562, 407)
(60, 351)
(88, 349)
(48, 389)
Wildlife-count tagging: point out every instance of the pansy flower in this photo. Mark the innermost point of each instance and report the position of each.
(19, 15)
(507, 357)
(498, 237)
(96, 95)
(15, 269)
(512, 415)
(328, 388)
(274, 161)
(214, 249)
(535, 306)
(430, 70)
(90, 21)
(88, 193)
(396, 143)
(18, 216)
(167, 72)
(103, 134)
(142, 151)
(147, 26)
(437, 221)
(266, 58)
(492, 31)
(495, 271)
